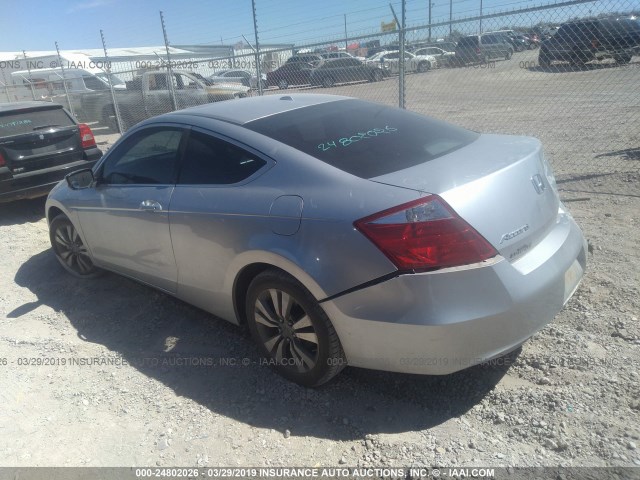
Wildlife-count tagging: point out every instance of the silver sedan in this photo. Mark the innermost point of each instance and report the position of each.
(341, 232)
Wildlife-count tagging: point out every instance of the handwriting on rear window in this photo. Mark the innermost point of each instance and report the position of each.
(15, 123)
(346, 141)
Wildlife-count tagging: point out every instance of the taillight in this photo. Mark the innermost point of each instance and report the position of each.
(478, 50)
(425, 234)
(595, 43)
(86, 136)
(2, 161)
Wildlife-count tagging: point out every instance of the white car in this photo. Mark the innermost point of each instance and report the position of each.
(443, 58)
(332, 55)
(413, 63)
(242, 77)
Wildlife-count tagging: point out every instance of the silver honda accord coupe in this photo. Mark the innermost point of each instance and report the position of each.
(339, 231)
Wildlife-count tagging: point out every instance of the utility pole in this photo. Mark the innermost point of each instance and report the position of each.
(480, 16)
(450, 18)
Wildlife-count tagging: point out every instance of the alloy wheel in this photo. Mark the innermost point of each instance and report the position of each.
(285, 330)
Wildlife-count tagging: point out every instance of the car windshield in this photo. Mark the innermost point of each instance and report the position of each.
(364, 139)
(27, 121)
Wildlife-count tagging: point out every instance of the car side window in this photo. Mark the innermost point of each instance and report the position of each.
(211, 161)
(148, 157)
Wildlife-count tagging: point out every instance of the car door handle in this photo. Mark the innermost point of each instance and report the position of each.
(150, 206)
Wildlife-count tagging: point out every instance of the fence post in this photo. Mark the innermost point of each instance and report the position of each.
(64, 82)
(401, 102)
(33, 92)
(257, 49)
(172, 92)
(116, 110)
(346, 40)
(450, 18)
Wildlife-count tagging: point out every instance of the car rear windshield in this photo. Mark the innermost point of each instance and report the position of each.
(364, 139)
(27, 121)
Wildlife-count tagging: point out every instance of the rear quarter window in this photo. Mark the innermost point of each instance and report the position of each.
(364, 139)
(27, 121)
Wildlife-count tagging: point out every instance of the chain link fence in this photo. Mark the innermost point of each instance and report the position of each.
(567, 73)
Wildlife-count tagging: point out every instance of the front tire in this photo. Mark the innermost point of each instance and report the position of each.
(377, 76)
(283, 84)
(424, 67)
(69, 249)
(622, 59)
(292, 331)
(328, 82)
(508, 55)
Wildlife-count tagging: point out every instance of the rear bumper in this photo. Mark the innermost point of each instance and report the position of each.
(441, 322)
(38, 183)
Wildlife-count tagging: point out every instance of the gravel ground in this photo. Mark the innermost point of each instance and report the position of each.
(93, 372)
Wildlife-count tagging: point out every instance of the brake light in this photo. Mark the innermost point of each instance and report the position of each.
(425, 234)
(86, 136)
(2, 161)
(478, 50)
(595, 43)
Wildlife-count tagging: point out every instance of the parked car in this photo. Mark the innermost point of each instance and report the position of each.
(531, 41)
(446, 46)
(412, 63)
(149, 94)
(482, 48)
(339, 231)
(242, 77)
(443, 57)
(332, 55)
(84, 87)
(518, 42)
(291, 73)
(313, 58)
(341, 70)
(587, 40)
(40, 142)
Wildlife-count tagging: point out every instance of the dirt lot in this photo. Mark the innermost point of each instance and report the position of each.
(90, 373)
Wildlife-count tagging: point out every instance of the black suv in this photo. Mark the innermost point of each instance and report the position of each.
(586, 40)
(40, 143)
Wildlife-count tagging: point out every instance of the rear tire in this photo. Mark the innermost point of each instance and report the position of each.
(508, 55)
(292, 331)
(69, 249)
(544, 61)
(283, 84)
(328, 82)
(377, 75)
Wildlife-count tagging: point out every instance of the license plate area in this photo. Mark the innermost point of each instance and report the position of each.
(572, 279)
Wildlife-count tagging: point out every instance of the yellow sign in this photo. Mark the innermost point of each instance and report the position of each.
(388, 27)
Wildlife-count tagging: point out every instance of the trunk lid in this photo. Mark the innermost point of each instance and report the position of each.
(501, 185)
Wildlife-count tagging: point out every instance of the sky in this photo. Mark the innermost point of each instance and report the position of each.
(75, 24)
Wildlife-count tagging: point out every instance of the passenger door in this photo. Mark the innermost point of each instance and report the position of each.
(213, 216)
(125, 217)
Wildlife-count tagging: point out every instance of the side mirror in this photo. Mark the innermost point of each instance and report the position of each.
(81, 179)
